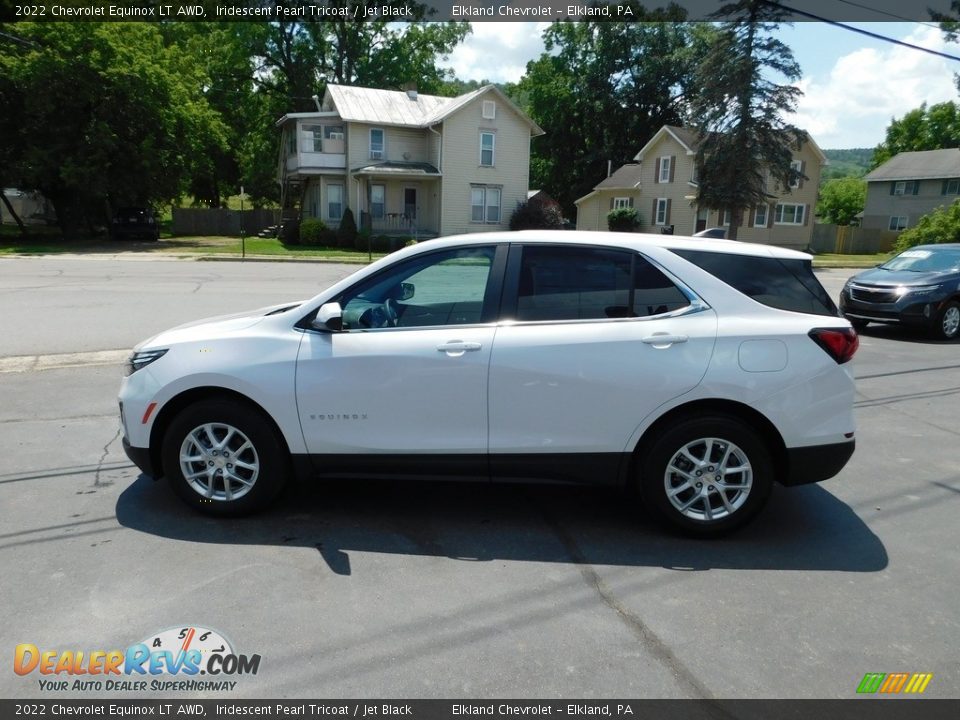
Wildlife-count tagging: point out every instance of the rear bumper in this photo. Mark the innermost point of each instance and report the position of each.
(140, 457)
(816, 463)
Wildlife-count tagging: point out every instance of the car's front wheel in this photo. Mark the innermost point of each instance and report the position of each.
(223, 457)
(858, 324)
(707, 475)
(946, 326)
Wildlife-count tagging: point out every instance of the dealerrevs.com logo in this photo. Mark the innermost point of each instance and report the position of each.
(171, 660)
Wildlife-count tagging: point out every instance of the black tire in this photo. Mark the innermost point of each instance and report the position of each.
(944, 329)
(750, 452)
(249, 491)
(858, 324)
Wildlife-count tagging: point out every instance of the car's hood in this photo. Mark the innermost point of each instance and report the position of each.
(214, 326)
(878, 276)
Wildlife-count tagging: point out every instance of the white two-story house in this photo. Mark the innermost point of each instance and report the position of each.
(407, 163)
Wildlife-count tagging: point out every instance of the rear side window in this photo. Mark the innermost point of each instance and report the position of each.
(779, 283)
(583, 283)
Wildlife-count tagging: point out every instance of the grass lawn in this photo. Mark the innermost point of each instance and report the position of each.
(828, 260)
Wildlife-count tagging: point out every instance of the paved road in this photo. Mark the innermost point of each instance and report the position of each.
(414, 590)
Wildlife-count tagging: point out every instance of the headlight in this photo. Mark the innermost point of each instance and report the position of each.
(916, 289)
(143, 358)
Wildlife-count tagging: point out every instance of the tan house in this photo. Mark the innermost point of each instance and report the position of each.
(910, 185)
(407, 163)
(662, 186)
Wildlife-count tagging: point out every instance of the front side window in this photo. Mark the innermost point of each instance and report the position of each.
(951, 187)
(442, 288)
(315, 134)
(579, 283)
(486, 149)
(484, 204)
(292, 141)
(333, 132)
(376, 144)
(665, 169)
(334, 202)
(621, 202)
(898, 222)
(660, 215)
(760, 216)
(378, 200)
(788, 214)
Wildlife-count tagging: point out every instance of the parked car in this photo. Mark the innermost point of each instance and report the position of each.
(717, 233)
(130, 223)
(698, 374)
(920, 287)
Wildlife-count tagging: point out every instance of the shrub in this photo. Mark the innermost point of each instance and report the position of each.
(381, 244)
(623, 220)
(312, 231)
(362, 241)
(536, 216)
(347, 233)
(410, 243)
(940, 226)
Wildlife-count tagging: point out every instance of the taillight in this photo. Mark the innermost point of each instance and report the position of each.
(838, 343)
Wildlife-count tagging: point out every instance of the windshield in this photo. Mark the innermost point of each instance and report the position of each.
(917, 260)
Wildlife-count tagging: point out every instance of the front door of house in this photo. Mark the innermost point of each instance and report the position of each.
(410, 203)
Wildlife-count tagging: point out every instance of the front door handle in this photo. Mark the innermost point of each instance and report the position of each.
(661, 340)
(458, 347)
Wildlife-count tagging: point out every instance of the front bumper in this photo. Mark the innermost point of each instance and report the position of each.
(911, 309)
(816, 463)
(141, 458)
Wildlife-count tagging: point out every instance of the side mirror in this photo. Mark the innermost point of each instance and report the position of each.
(329, 318)
(406, 291)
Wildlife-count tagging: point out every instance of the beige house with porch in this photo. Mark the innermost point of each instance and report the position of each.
(406, 163)
(662, 186)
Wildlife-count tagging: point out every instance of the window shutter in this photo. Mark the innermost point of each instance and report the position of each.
(806, 215)
(771, 211)
(893, 186)
(656, 175)
(916, 187)
(750, 214)
(653, 215)
(611, 203)
(673, 166)
(666, 220)
(631, 201)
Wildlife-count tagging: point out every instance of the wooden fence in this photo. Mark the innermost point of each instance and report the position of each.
(218, 221)
(851, 240)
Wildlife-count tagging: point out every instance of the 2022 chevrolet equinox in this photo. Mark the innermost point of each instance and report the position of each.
(698, 372)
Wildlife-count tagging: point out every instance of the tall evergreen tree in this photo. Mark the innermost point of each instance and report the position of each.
(739, 110)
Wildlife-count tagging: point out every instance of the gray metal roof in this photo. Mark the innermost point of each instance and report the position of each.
(921, 165)
(624, 177)
(397, 168)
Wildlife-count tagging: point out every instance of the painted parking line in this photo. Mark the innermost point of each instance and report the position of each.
(34, 363)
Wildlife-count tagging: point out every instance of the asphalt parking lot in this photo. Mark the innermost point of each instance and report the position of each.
(413, 590)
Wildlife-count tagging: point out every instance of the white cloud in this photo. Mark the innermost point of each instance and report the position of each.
(497, 51)
(867, 87)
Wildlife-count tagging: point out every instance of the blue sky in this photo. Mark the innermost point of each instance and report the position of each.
(853, 85)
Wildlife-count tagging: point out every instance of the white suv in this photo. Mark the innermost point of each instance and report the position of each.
(696, 371)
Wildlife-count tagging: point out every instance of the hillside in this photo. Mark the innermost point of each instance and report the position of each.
(847, 162)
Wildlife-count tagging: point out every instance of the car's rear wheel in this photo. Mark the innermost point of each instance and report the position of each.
(707, 476)
(223, 457)
(946, 326)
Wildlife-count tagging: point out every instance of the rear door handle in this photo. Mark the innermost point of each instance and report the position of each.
(458, 347)
(664, 340)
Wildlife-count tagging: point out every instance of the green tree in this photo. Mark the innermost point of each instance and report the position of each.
(841, 200)
(738, 110)
(922, 128)
(115, 118)
(600, 88)
(940, 226)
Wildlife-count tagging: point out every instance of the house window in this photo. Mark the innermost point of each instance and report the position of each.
(489, 110)
(760, 216)
(664, 169)
(486, 149)
(898, 222)
(951, 187)
(376, 144)
(334, 202)
(315, 133)
(660, 216)
(796, 170)
(899, 188)
(291, 142)
(905, 187)
(333, 132)
(725, 218)
(788, 214)
(378, 201)
(621, 202)
(484, 204)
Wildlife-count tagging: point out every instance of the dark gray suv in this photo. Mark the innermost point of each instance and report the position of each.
(920, 286)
